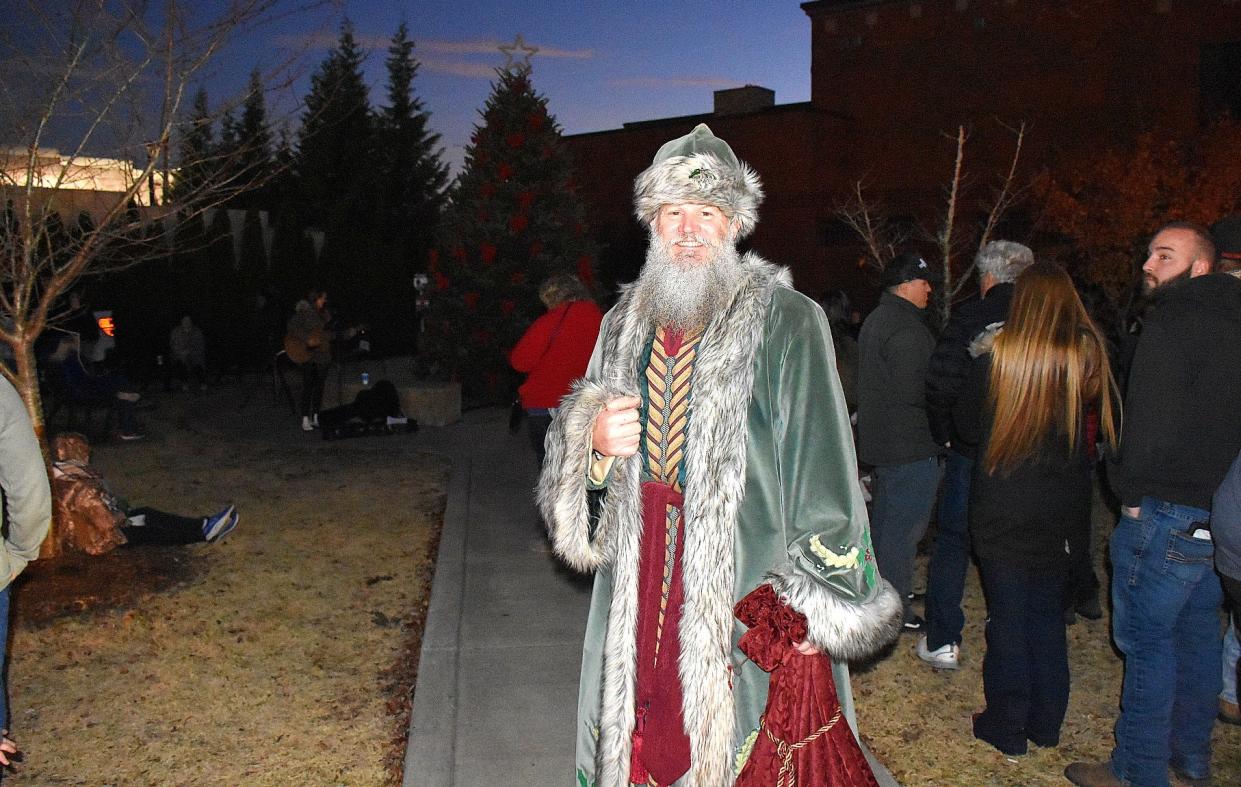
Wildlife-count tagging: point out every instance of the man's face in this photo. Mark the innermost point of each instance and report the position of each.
(1174, 255)
(692, 231)
(916, 291)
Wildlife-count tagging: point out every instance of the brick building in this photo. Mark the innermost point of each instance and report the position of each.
(889, 78)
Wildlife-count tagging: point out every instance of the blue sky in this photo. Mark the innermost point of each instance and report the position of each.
(599, 64)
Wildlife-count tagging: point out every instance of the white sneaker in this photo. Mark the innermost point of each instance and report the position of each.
(306, 425)
(944, 657)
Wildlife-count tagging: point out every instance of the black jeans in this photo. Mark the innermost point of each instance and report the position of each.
(163, 528)
(1025, 673)
(313, 378)
(536, 427)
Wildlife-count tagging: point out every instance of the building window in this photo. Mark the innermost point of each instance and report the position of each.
(1220, 80)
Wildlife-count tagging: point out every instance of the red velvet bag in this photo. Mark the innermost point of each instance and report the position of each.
(803, 738)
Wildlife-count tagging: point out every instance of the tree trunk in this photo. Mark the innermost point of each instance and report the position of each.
(27, 384)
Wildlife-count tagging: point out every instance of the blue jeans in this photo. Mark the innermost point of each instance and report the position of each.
(1166, 599)
(1025, 674)
(4, 645)
(904, 496)
(945, 581)
(1231, 652)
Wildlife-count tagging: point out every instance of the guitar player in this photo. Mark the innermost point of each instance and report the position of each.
(308, 342)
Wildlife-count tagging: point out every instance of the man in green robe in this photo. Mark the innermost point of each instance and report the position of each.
(706, 452)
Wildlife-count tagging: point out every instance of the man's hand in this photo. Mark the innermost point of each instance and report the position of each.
(806, 649)
(7, 749)
(617, 428)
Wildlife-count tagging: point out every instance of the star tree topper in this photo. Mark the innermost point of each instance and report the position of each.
(518, 45)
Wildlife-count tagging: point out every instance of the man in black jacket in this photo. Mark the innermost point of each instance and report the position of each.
(998, 264)
(1182, 429)
(893, 434)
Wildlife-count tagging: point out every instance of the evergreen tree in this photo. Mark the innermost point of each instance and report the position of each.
(411, 178)
(195, 164)
(254, 155)
(514, 218)
(335, 141)
(411, 171)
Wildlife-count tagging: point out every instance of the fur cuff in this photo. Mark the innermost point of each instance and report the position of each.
(561, 492)
(848, 630)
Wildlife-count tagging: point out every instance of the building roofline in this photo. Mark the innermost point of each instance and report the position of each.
(820, 7)
(705, 117)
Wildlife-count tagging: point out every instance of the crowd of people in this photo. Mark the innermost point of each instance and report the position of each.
(706, 458)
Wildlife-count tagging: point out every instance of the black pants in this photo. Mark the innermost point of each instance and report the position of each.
(313, 378)
(536, 427)
(1025, 673)
(163, 528)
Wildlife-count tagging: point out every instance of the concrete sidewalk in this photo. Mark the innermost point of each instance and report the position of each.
(496, 698)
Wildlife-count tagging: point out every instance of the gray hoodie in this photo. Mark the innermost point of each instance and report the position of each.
(23, 477)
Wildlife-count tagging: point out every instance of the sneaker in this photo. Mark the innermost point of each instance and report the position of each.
(306, 425)
(129, 437)
(314, 420)
(944, 657)
(128, 396)
(914, 626)
(220, 524)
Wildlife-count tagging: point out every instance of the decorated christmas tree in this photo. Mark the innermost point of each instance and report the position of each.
(514, 219)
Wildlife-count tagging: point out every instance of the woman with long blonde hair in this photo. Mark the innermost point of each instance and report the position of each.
(1028, 399)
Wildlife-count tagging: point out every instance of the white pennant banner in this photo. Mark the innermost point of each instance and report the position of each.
(316, 237)
(269, 235)
(237, 227)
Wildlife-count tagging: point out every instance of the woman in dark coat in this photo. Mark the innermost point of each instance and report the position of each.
(1028, 395)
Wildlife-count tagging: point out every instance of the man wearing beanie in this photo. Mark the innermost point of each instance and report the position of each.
(894, 433)
(706, 453)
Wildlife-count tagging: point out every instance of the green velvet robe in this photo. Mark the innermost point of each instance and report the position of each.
(771, 495)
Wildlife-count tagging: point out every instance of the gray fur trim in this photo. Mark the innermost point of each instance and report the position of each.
(982, 343)
(848, 631)
(700, 178)
(561, 491)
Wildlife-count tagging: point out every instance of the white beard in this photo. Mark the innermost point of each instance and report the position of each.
(686, 293)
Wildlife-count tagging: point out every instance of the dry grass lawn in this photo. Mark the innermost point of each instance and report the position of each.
(280, 662)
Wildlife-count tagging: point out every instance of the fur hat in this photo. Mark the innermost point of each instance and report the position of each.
(699, 167)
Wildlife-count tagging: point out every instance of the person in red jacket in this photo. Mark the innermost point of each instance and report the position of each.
(554, 351)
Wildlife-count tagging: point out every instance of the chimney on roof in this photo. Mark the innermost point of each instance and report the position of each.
(739, 100)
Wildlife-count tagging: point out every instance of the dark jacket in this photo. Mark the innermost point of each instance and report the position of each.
(1182, 426)
(950, 363)
(1025, 516)
(893, 350)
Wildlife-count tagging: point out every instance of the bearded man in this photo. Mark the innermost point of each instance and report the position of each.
(706, 452)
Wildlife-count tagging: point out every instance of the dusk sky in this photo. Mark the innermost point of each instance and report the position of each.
(599, 64)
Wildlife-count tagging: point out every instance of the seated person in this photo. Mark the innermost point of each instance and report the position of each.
(188, 352)
(82, 385)
(94, 520)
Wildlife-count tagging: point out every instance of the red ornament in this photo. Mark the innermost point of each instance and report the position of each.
(517, 279)
(507, 306)
(535, 121)
(518, 223)
(536, 248)
(515, 140)
(487, 252)
(585, 270)
(525, 199)
(505, 171)
(470, 299)
(441, 281)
